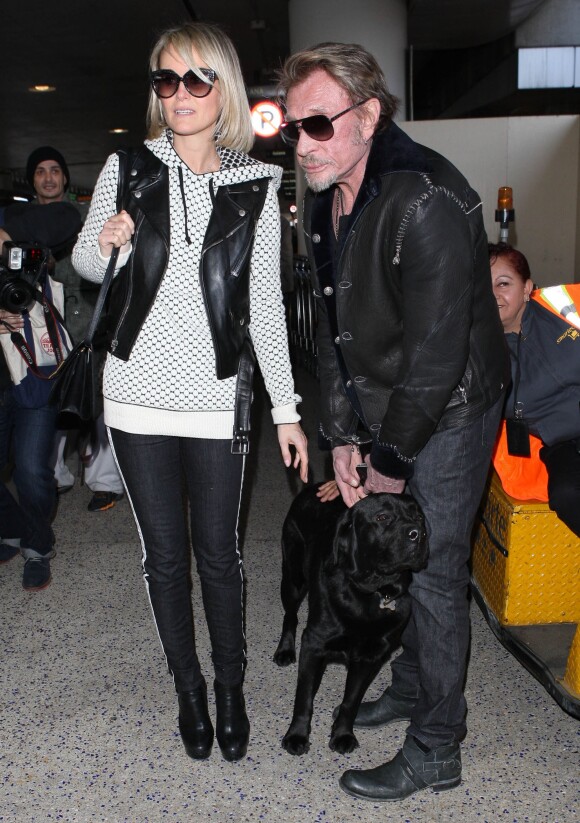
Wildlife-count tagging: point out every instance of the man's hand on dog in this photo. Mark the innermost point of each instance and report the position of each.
(377, 482)
(345, 460)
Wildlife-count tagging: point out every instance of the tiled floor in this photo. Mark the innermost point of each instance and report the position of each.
(88, 716)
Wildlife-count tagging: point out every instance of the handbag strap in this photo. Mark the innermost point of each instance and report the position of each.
(104, 290)
(124, 160)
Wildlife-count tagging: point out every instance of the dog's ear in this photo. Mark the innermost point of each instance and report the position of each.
(344, 546)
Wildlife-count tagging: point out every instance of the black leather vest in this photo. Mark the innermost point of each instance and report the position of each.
(225, 258)
(224, 268)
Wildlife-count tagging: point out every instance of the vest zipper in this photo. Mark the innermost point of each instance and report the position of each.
(115, 340)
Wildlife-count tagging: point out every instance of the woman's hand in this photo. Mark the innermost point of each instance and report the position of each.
(16, 321)
(291, 434)
(345, 459)
(328, 491)
(116, 233)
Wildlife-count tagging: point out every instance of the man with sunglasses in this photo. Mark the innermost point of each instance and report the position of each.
(412, 369)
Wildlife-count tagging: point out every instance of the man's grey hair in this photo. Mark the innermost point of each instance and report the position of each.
(353, 68)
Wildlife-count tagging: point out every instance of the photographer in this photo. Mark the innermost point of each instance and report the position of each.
(48, 174)
(32, 342)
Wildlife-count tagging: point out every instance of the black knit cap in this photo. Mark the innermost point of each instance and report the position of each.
(40, 155)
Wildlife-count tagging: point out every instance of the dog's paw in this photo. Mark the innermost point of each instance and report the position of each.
(285, 657)
(343, 743)
(295, 744)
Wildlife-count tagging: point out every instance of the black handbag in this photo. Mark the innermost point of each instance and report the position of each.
(76, 385)
(77, 381)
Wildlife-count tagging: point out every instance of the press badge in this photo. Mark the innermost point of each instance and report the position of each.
(518, 437)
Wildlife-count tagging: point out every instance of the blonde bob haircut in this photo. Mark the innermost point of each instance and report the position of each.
(353, 68)
(214, 48)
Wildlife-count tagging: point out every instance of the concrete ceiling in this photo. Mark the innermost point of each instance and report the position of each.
(95, 52)
(451, 24)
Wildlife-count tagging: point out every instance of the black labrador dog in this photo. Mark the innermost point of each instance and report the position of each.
(355, 564)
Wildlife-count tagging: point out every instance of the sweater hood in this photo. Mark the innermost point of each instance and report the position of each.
(235, 166)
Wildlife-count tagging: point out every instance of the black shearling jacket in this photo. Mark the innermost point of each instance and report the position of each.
(409, 336)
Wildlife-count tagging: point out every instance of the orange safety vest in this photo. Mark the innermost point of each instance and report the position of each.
(526, 478)
(561, 300)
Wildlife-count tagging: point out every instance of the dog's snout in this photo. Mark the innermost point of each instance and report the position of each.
(414, 535)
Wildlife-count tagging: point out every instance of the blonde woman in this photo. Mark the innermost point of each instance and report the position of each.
(197, 293)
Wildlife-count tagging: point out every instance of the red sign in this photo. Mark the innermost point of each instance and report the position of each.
(266, 119)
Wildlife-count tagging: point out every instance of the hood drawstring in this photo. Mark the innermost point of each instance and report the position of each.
(218, 217)
(182, 189)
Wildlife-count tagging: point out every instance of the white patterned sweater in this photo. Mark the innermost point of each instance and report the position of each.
(169, 385)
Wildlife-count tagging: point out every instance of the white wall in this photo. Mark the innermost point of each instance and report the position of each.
(379, 25)
(554, 23)
(539, 158)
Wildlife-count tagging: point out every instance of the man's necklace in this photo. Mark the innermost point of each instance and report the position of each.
(338, 210)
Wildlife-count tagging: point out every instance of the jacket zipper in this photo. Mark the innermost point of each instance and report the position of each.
(221, 239)
(115, 340)
(235, 270)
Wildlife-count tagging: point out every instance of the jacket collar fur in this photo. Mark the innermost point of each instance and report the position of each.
(392, 151)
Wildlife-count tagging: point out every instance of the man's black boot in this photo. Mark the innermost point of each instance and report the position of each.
(232, 725)
(414, 768)
(194, 724)
(388, 708)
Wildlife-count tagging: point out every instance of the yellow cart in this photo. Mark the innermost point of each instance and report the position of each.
(526, 580)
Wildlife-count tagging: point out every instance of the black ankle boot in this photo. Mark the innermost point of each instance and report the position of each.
(232, 724)
(194, 723)
(414, 768)
(388, 708)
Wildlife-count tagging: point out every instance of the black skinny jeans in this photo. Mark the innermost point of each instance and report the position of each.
(158, 472)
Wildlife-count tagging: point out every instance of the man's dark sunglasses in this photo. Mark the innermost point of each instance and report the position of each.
(166, 82)
(318, 126)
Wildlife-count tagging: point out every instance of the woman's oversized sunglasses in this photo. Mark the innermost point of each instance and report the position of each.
(318, 126)
(166, 82)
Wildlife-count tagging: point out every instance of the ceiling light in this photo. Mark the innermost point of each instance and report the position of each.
(41, 88)
(118, 131)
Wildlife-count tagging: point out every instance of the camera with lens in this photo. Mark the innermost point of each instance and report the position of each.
(21, 267)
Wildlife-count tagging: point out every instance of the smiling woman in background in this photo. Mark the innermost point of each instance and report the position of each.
(200, 247)
(545, 364)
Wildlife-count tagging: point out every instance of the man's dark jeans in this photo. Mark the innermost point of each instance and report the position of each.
(157, 471)
(31, 433)
(448, 482)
